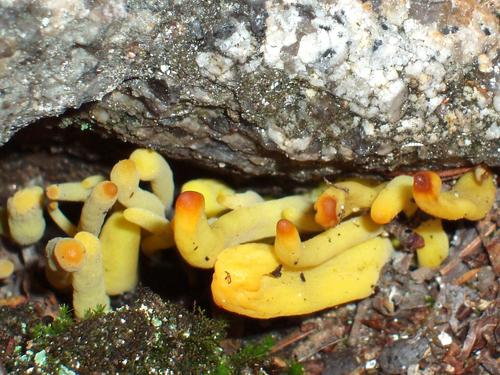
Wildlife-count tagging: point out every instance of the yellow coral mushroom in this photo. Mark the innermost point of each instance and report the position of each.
(73, 191)
(395, 197)
(162, 235)
(234, 201)
(57, 276)
(199, 243)
(120, 240)
(341, 199)
(212, 191)
(60, 219)
(126, 177)
(329, 207)
(153, 167)
(296, 254)
(470, 198)
(82, 257)
(436, 246)
(96, 207)
(6, 268)
(251, 281)
(25, 215)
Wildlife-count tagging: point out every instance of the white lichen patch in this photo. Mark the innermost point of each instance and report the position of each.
(290, 145)
(239, 46)
(215, 66)
(344, 47)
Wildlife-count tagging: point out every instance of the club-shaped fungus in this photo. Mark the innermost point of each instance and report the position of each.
(83, 258)
(73, 191)
(199, 242)
(61, 219)
(154, 168)
(235, 201)
(395, 197)
(470, 198)
(251, 281)
(436, 246)
(120, 241)
(96, 207)
(296, 254)
(25, 215)
(126, 177)
(329, 207)
(341, 199)
(58, 277)
(6, 268)
(162, 236)
(211, 190)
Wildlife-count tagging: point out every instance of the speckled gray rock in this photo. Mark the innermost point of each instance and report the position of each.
(303, 89)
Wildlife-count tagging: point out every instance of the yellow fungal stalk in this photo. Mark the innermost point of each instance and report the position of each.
(96, 207)
(83, 258)
(235, 201)
(304, 221)
(61, 219)
(25, 215)
(212, 191)
(162, 235)
(73, 191)
(57, 276)
(6, 268)
(126, 177)
(120, 240)
(153, 167)
(395, 197)
(199, 243)
(251, 281)
(436, 246)
(330, 206)
(342, 199)
(296, 254)
(470, 198)
(360, 194)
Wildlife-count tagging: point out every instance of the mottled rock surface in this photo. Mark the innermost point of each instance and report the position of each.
(303, 89)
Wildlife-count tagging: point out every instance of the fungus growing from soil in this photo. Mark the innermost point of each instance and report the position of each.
(152, 167)
(211, 190)
(25, 215)
(96, 207)
(260, 292)
(215, 226)
(200, 242)
(436, 247)
(296, 254)
(470, 198)
(125, 175)
(6, 268)
(395, 197)
(120, 241)
(82, 257)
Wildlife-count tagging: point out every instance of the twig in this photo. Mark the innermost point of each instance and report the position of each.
(291, 339)
(356, 325)
(466, 276)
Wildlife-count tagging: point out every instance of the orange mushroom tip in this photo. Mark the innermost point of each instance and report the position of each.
(109, 189)
(427, 183)
(52, 192)
(285, 230)
(326, 211)
(189, 208)
(70, 254)
(190, 202)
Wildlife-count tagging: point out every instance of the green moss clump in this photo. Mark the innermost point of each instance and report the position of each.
(149, 336)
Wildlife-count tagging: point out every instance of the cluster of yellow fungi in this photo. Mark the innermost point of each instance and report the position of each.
(262, 267)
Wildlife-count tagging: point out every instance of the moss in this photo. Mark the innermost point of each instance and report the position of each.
(146, 337)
